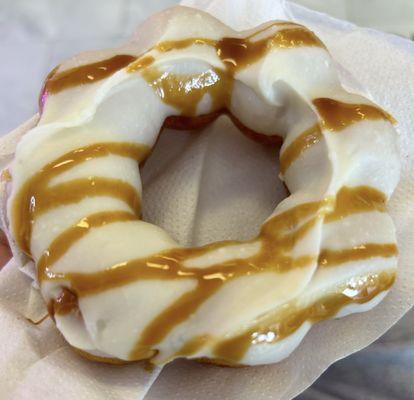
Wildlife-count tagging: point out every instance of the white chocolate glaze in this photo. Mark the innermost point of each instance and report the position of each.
(121, 288)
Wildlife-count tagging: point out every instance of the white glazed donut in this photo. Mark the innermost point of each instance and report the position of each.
(122, 289)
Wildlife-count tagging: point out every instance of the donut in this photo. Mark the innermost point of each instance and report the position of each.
(121, 289)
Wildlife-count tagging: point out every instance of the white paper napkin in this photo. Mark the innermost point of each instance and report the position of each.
(218, 185)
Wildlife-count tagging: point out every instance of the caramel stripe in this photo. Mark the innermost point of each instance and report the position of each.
(303, 142)
(358, 199)
(337, 116)
(77, 189)
(176, 313)
(70, 236)
(329, 258)
(238, 53)
(140, 63)
(35, 194)
(282, 324)
(86, 74)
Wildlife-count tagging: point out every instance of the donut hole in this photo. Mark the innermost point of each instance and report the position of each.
(211, 184)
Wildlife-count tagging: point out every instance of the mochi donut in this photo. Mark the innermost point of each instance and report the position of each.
(121, 289)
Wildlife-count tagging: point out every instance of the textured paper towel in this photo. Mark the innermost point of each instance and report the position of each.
(218, 185)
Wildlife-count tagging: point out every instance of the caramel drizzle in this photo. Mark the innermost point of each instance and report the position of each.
(185, 93)
(36, 196)
(140, 63)
(277, 236)
(287, 320)
(277, 241)
(236, 53)
(69, 237)
(232, 350)
(335, 116)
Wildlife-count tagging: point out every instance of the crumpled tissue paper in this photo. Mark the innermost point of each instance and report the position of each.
(214, 185)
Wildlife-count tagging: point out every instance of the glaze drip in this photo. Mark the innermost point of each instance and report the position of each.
(184, 92)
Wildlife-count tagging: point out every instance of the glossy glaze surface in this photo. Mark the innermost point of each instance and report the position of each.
(286, 244)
